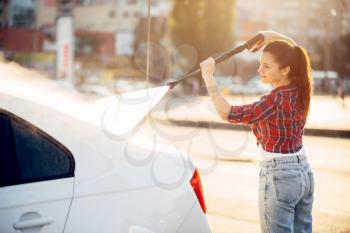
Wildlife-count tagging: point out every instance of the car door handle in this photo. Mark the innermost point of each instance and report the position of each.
(36, 222)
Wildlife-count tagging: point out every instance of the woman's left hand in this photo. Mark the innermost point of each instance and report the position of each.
(207, 67)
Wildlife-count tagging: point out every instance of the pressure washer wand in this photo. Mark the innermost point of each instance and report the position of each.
(222, 57)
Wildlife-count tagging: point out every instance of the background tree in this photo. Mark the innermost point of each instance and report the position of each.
(343, 62)
(206, 25)
(158, 61)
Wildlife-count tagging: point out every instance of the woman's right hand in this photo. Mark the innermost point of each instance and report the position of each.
(270, 36)
(207, 67)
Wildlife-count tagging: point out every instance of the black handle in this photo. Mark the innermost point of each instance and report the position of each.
(254, 40)
(248, 44)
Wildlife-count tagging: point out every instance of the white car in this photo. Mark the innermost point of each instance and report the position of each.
(61, 173)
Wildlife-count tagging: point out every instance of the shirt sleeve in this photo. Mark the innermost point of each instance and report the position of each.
(260, 110)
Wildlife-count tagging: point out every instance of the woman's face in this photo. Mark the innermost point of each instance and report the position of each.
(270, 72)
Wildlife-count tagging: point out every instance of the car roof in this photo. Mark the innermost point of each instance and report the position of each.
(87, 128)
(119, 113)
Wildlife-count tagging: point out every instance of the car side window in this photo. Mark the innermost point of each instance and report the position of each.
(27, 154)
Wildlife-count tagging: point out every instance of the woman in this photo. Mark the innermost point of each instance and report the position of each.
(277, 120)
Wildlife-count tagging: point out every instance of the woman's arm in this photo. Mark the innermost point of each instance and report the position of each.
(221, 105)
(246, 114)
(270, 36)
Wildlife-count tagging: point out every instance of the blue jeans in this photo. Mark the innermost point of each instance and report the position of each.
(286, 187)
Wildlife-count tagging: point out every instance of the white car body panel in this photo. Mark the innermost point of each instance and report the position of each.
(147, 210)
(36, 199)
(192, 223)
(113, 191)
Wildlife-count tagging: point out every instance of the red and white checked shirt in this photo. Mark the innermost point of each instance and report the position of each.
(275, 120)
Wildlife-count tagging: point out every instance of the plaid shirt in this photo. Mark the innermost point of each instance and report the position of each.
(274, 119)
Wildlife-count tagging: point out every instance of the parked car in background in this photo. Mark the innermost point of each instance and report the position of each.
(229, 85)
(255, 86)
(325, 82)
(60, 173)
(235, 86)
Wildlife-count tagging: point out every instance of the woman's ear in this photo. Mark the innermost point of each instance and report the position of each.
(285, 71)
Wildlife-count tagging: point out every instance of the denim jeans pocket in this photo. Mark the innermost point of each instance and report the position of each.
(312, 182)
(287, 186)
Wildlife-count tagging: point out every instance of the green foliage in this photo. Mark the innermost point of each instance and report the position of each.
(23, 57)
(207, 25)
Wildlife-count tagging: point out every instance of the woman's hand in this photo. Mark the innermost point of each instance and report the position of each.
(269, 36)
(207, 67)
(222, 107)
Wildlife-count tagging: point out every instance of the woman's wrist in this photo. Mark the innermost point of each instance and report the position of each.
(209, 80)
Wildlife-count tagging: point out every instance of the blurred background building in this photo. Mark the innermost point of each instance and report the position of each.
(108, 34)
(313, 23)
(321, 26)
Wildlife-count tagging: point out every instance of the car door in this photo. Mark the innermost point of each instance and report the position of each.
(36, 178)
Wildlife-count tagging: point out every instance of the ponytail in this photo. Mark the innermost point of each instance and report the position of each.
(302, 80)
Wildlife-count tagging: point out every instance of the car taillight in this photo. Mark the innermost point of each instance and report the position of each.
(197, 188)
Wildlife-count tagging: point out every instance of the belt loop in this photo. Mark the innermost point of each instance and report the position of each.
(298, 158)
(273, 162)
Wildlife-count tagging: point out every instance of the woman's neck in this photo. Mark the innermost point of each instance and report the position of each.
(283, 82)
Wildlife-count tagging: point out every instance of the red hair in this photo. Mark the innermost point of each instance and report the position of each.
(296, 57)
